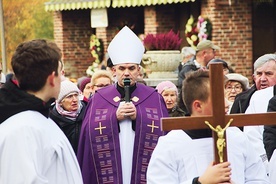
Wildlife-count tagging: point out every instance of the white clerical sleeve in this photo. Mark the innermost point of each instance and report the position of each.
(272, 168)
(168, 164)
(36, 151)
(20, 161)
(254, 170)
(162, 168)
(177, 159)
(254, 133)
(258, 104)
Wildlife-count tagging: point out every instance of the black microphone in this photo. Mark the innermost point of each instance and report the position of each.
(126, 88)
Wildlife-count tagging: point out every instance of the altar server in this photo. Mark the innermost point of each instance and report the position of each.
(33, 149)
(186, 157)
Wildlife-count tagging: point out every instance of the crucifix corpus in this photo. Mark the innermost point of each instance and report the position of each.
(218, 122)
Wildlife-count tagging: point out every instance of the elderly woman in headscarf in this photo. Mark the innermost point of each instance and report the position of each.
(169, 92)
(235, 83)
(68, 112)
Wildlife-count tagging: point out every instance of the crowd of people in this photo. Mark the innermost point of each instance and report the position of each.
(106, 128)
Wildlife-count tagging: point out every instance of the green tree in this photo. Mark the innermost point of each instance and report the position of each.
(43, 23)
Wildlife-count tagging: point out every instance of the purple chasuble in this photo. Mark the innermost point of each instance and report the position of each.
(99, 148)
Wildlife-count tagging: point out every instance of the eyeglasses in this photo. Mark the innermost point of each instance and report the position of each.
(237, 88)
(101, 85)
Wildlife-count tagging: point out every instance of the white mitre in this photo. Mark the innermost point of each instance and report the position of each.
(126, 47)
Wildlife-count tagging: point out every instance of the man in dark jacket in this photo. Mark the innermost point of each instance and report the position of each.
(264, 76)
(205, 52)
(242, 100)
(265, 79)
(270, 131)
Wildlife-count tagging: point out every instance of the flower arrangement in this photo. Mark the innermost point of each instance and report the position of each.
(162, 41)
(197, 31)
(96, 50)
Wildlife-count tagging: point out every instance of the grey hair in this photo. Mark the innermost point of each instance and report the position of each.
(186, 51)
(263, 59)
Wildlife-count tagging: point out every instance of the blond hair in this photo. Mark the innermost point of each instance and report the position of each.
(100, 74)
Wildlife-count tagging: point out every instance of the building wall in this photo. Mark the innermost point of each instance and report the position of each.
(264, 28)
(72, 33)
(159, 19)
(232, 31)
(150, 20)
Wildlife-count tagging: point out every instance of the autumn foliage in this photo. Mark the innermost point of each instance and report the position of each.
(25, 20)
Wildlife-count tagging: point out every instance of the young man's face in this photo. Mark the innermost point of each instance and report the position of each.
(206, 107)
(200, 107)
(128, 70)
(57, 81)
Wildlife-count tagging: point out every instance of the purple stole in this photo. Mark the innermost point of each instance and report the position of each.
(99, 148)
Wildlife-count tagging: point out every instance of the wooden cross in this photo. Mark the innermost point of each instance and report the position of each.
(218, 117)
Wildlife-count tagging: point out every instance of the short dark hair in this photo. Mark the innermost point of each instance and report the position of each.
(109, 63)
(33, 61)
(195, 87)
(224, 63)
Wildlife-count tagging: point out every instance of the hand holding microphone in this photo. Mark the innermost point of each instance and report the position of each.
(126, 110)
(126, 88)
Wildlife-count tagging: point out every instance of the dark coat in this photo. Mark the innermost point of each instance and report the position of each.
(176, 112)
(187, 67)
(13, 100)
(242, 101)
(269, 135)
(70, 128)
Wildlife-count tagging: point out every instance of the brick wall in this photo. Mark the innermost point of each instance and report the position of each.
(58, 31)
(72, 34)
(232, 31)
(116, 19)
(162, 18)
(150, 20)
(167, 18)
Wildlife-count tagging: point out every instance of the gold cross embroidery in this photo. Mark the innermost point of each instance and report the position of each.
(152, 126)
(100, 128)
